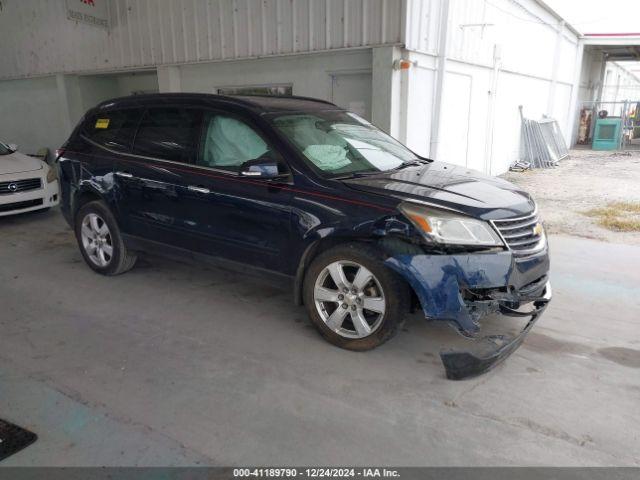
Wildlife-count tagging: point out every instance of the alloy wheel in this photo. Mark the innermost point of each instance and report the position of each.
(96, 240)
(349, 299)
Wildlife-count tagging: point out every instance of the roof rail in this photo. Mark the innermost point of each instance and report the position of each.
(230, 98)
(293, 97)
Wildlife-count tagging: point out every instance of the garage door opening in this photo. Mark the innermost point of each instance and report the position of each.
(608, 109)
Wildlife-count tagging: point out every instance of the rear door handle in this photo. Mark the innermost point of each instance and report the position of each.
(193, 188)
(124, 174)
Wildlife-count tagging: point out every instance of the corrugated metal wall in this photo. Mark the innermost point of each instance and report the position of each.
(479, 118)
(422, 25)
(524, 30)
(38, 39)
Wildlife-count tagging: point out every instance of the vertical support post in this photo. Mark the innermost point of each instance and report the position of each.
(572, 127)
(64, 102)
(385, 90)
(405, 92)
(440, 72)
(555, 69)
(603, 70)
(70, 100)
(169, 79)
(491, 110)
(623, 123)
(599, 99)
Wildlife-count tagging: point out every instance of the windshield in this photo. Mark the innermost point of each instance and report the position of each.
(340, 143)
(4, 149)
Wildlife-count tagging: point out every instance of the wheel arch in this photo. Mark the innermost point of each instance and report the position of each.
(311, 252)
(388, 246)
(84, 196)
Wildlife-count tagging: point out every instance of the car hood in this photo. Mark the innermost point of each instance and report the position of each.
(17, 162)
(450, 186)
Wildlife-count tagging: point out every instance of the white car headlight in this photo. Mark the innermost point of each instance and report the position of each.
(439, 226)
(52, 174)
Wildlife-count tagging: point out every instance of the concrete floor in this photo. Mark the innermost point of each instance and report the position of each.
(175, 365)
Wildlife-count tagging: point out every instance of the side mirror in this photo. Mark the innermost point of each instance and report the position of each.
(262, 167)
(13, 147)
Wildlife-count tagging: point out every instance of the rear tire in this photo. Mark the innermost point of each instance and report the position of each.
(100, 240)
(368, 306)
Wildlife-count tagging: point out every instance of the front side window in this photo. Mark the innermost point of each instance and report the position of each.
(229, 142)
(169, 134)
(114, 130)
(341, 142)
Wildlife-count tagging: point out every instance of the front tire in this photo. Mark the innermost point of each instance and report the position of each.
(353, 300)
(100, 240)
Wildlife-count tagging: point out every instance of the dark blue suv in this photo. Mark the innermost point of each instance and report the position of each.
(363, 228)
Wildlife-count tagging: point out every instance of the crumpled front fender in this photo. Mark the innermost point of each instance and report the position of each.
(438, 279)
(491, 281)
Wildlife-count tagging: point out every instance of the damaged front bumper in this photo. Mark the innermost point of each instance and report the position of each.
(464, 288)
(491, 350)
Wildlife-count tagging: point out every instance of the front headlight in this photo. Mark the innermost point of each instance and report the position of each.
(443, 227)
(52, 174)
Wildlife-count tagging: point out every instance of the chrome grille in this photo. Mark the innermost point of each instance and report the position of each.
(16, 186)
(520, 234)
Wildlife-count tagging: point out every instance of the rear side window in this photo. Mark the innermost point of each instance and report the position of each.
(114, 130)
(169, 134)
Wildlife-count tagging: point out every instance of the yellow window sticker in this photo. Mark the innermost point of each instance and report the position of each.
(102, 123)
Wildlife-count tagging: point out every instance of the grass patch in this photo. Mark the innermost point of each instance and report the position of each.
(618, 216)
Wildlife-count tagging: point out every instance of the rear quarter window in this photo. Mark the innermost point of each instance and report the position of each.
(114, 129)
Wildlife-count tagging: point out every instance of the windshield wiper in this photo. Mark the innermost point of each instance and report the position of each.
(408, 163)
(356, 174)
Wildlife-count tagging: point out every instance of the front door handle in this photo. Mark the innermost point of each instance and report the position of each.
(193, 188)
(124, 174)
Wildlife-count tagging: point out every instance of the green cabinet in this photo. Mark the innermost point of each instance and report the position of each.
(607, 134)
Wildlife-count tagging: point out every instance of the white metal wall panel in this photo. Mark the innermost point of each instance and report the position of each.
(38, 39)
(422, 25)
(567, 61)
(529, 45)
(456, 116)
(525, 32)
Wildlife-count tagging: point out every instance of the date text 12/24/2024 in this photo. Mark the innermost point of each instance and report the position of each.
(315, 472)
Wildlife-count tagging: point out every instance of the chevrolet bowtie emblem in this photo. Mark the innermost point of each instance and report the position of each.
(537, 229)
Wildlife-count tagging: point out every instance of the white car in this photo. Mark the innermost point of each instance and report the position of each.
(26, 183)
